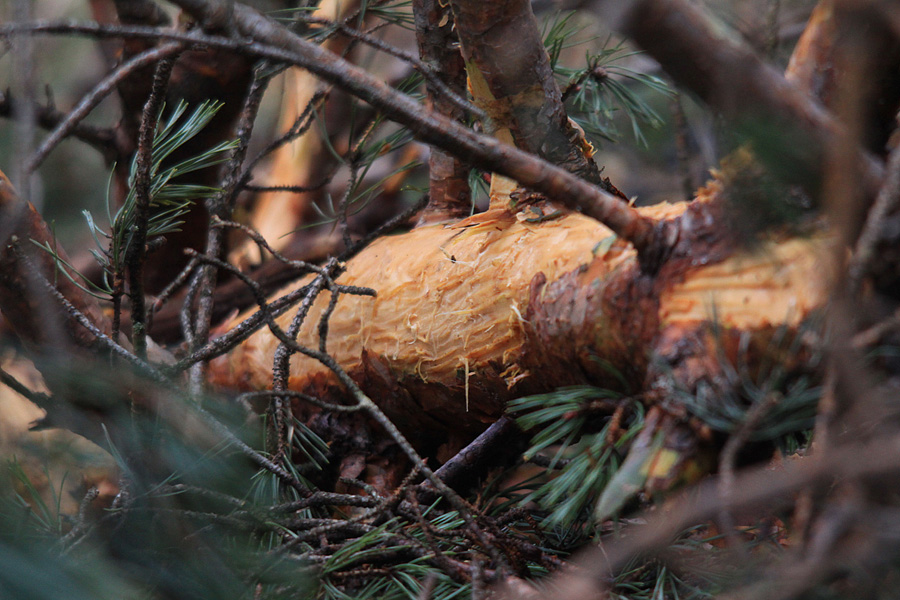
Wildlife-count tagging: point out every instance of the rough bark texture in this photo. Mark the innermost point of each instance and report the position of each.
(449, 194)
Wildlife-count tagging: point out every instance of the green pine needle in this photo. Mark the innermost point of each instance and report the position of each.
(580, 465)
(723, 407)
(602, 87)
(169, 201)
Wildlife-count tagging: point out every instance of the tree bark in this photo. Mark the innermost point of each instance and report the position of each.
(449, 196)
(38, 321)
(511, 78)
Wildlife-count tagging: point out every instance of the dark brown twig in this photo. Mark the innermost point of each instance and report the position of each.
(76, 316)
(885, 203)
(102, 139)
(221, 207)
(496, 442)
(134, 257)
(301, 125)
(432, 73)
(169, 290)
(279, 410)
(38, 398)
(297, 189)
(727, 459)
(300, 266)
(35, 318)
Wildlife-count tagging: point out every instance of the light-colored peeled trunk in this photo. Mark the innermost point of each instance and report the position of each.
(471, 315)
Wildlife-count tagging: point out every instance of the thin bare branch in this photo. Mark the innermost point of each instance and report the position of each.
(885, 203)
(34, 320)
(92, 99)
(432, 74)
(102, 139)
(220, 207)
(274, 41)
(471, 462)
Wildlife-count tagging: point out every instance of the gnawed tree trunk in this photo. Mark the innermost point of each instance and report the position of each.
(516, 301)
(471, 315)
(523, 300)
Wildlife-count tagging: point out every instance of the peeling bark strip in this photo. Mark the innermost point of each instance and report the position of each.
(512, 80)
(495, 307)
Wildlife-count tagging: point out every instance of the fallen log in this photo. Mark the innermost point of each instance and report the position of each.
(518, 301)
(528, 298)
